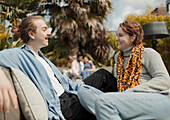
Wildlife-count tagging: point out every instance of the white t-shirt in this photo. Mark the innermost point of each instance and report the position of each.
(55, 82)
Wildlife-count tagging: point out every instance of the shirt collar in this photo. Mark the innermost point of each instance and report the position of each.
(127, 51)
(27, 47)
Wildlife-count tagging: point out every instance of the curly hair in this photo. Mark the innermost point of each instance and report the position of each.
(133, 28)
(27, 24)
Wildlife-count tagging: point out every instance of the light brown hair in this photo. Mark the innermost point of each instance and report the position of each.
(27, 24)
(133, 28)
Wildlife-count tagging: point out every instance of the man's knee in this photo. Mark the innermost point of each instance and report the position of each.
(104, 102)
(100, 103)
(83, 90)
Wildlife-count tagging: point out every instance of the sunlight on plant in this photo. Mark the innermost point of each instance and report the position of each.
(4, 35)
(111, 39)
(5, 42)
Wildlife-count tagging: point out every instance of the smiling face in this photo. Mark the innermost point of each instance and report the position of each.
(123, 39)
(80, 58)
(41, 34)
(39, 38)
(86, 60)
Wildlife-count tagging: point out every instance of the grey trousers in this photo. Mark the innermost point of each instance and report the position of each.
(124, 106)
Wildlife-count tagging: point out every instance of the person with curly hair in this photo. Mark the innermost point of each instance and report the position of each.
(143, 82)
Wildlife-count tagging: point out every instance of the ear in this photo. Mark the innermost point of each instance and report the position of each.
(31, 35)
(133, 38)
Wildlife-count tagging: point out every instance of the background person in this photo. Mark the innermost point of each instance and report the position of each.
(89, 67)
(77, 67)
(142, 80)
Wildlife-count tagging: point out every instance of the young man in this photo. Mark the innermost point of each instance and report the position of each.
(58, 91)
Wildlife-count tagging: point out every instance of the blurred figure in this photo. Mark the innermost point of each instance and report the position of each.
(89, 67)
(77, 67)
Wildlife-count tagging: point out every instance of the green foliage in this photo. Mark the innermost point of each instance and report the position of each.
(13, 11)
(144, 19)
(111, 39)
(5, 42)
(79, 25)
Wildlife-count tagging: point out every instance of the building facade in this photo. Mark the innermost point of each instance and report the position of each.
(168, 7)
(159, 11)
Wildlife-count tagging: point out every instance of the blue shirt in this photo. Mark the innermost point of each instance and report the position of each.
(87, 66)
(23, 59)
(79, 68)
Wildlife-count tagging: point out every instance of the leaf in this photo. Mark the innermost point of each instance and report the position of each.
(4, 35)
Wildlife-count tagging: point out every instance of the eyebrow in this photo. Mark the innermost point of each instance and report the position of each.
(118, 33)
(45, 27)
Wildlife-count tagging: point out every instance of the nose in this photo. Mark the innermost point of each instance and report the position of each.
(117, 38)
(49, 32)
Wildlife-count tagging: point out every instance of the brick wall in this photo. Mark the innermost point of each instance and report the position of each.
(159, 11)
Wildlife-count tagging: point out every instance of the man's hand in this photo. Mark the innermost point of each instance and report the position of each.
(6, 93)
